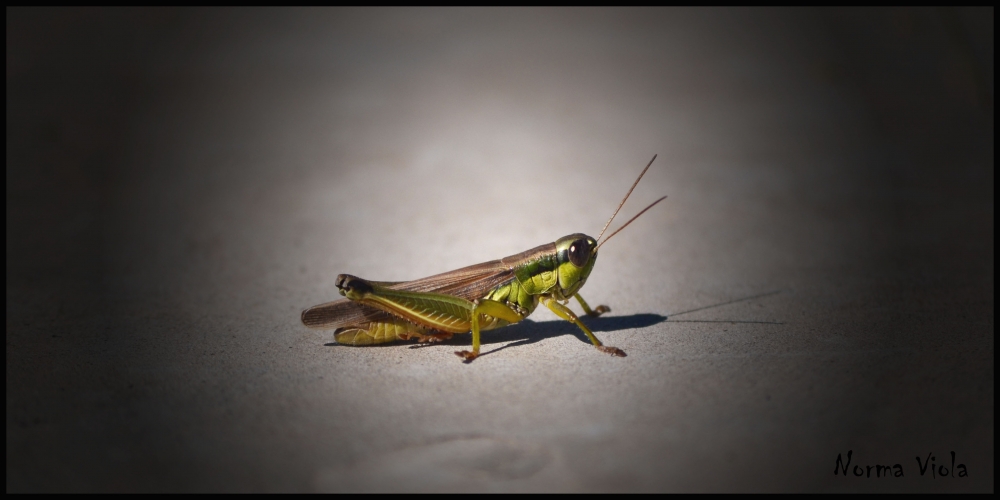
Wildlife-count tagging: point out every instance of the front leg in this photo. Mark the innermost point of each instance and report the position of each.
(566, 314)
(599, 310)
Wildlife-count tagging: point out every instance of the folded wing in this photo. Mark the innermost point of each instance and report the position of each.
(470, 283)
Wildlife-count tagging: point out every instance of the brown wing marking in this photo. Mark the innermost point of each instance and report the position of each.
(341, 312)
(470, 283)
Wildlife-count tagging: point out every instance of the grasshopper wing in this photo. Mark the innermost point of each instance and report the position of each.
(470, 283)
(339, 313)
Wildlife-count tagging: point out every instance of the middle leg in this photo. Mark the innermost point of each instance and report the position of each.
(490, 308)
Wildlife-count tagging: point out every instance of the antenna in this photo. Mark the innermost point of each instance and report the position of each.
(625, 198)
(630, 221)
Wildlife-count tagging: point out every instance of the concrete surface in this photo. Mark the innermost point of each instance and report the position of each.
(181, 184)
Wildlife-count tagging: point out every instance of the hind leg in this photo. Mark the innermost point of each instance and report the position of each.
(428, 338)
(380, 332)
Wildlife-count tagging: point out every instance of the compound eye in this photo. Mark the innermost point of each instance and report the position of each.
(579, 252)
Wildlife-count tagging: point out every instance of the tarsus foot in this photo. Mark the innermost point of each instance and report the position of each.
(467, 355)
(599, 310)
(614, 351)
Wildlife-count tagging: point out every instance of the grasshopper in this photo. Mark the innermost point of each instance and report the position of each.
(475, 298)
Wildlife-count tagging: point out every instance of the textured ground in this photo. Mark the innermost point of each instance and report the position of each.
(181, 184)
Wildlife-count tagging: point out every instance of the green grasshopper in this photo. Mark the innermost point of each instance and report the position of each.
(475, 298)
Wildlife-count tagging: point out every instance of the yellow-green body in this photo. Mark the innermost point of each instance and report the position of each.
(472, 299)
(438, 307)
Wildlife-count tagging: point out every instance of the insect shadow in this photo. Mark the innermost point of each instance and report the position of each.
(532, 332)
(529, 332)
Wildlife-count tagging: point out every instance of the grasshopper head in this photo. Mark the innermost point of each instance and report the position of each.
(576, 254)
